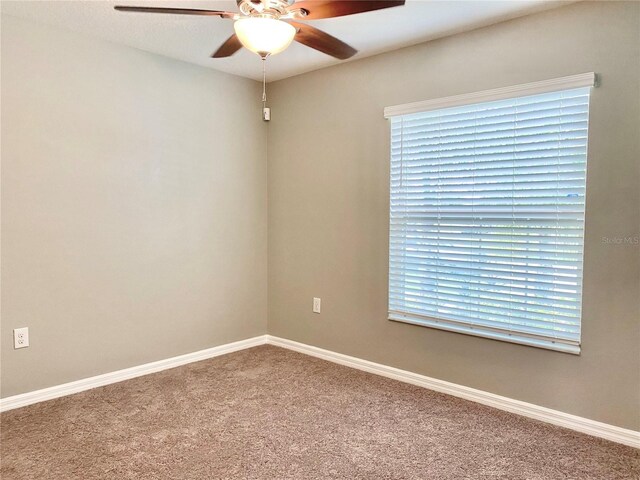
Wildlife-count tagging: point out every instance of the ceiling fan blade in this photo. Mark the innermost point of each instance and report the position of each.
(323, 42)
(337, 8)
(177, 11)
(228, 48)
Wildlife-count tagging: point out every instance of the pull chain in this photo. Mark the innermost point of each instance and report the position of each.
(266, 111)
(264, 81)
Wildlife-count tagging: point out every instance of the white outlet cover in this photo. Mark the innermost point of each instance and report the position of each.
(316, 305)
(21, 337)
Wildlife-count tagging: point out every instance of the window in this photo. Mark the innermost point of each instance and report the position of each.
(487, 212)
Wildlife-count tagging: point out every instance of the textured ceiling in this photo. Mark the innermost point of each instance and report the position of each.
(193, 39)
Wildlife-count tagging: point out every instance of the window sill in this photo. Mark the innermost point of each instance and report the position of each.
(483, 332)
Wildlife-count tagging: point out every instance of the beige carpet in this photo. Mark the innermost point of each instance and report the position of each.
(268, 413)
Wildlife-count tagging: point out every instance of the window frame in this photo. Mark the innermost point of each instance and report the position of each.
(448, 324)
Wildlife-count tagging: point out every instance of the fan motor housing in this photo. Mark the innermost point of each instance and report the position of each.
(270, 8)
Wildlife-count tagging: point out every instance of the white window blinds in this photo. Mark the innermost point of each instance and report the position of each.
(487, 218)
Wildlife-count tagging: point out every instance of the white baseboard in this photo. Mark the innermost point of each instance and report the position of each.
(56, 391)
(573, 422)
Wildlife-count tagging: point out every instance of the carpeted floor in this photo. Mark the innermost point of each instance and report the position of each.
(269, 413)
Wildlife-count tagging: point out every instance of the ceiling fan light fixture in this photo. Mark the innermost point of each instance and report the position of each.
(264, 36)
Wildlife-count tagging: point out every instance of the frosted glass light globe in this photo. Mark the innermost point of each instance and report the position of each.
(264, 36)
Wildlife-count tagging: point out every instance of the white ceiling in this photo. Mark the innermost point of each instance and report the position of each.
(193, 39)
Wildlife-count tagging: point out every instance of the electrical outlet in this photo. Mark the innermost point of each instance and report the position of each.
(316, 305)
(21, 337)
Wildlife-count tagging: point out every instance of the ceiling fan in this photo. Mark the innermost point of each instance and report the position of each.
(267, 27)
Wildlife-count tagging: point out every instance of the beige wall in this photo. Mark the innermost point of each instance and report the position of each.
(328, 176)
(133, 207)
